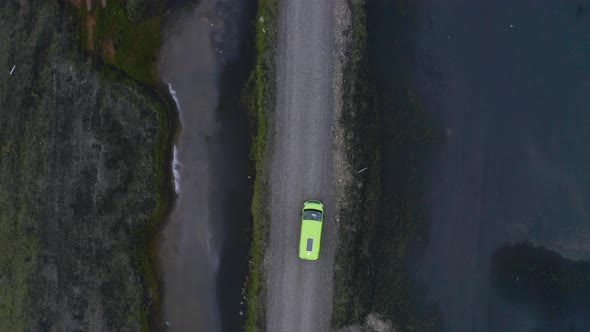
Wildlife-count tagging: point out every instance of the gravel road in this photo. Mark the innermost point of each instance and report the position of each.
(299, 293)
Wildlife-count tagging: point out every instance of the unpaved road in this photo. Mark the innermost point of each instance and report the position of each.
(299, 293)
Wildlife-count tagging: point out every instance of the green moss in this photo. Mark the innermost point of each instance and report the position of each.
(165, 197)
(260, 96)
(77, 26)
(135, 36)
(135, 33)
(85, 174)
(21, 160)
(134, 30)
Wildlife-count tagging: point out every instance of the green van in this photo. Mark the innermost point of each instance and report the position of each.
(312, 218)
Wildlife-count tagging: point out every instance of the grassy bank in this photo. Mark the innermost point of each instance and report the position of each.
(85, 179)
(259, 95)
(147, 249)
(370, 276)
(124, 34)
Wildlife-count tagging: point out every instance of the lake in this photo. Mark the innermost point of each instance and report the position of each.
(507, 84)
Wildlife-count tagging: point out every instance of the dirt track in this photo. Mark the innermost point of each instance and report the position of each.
(299, 293)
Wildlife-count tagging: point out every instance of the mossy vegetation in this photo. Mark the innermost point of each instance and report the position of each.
(370, 275)
(127, 37)
(124, 34)
(85, 178)
(146, 252)
(259, 95)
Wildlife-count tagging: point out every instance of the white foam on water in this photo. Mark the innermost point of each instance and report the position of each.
(176, 171)
(175, 162)
(173, 93)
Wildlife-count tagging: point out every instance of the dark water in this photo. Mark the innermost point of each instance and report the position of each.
(231, 163)
(553, 289)
(206, 57)
(508, 83)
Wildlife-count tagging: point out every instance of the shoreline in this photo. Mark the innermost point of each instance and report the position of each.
(167, 194)
(148, 265)
(373, 245)
(342, 167)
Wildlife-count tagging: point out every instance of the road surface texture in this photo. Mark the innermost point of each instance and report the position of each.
(299, 293)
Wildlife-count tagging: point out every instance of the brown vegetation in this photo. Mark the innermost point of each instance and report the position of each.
(90, 28)
(76, 3)
(109, 49)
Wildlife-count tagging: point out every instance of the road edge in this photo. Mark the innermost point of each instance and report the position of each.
(260, 94)
(359, 185)
(342, 167)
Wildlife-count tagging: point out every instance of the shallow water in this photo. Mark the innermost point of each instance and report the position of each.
(508, 83)
(205, 59)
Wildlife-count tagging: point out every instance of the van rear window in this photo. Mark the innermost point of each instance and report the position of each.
(309, 244)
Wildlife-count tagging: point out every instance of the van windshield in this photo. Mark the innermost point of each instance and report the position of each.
(312, 215)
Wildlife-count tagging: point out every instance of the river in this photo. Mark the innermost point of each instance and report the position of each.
(507, 190)
(206, 56)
